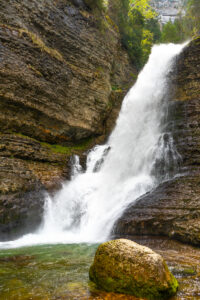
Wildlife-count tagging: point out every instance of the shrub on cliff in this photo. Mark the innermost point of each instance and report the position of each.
(193, 14)
(138, 27)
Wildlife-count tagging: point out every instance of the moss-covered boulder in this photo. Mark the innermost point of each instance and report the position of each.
(126, 267)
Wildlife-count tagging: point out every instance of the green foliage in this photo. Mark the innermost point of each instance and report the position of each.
(150, 30)
(153, 26)
(138, 27)
(95, 4)
(151, 35)
(132, 37)
(170, 33)
(193, 14)
(130, 27)
(147, 43)
(184, 27)
(69, 150)
(176, 32)
(144, 7)
(116, 88)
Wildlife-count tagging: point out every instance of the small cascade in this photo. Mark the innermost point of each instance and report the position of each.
(75, 166)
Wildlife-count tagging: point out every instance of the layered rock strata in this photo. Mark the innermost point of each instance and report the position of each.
(63, 75)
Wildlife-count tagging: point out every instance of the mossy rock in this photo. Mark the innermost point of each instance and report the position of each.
(125, 267)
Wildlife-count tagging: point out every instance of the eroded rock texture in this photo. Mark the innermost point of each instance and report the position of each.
(126, 267)
(63, 75)
(173, 209)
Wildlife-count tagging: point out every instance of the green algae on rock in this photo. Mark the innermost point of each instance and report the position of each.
(126, 267)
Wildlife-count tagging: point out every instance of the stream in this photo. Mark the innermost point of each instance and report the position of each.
(60, 272)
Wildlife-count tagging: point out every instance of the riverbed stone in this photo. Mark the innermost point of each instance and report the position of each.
(124, 266)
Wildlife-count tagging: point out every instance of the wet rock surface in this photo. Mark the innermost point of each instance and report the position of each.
(182, 260)
(61, 271)
(126, 267)
(173, 208)
(63, 75)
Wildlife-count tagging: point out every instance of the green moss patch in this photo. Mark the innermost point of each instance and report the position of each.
(56, 148)
(125, 267)
(83, 146)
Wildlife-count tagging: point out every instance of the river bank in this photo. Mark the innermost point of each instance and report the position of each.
(61, 271)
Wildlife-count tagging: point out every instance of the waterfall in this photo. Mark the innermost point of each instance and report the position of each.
(139, 154)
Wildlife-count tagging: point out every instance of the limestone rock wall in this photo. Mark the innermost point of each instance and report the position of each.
(63, 75)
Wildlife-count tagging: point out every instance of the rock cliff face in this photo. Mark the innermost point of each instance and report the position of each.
(173, 209)
(63, 75)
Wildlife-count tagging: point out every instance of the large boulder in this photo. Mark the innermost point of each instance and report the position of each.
(124, 266)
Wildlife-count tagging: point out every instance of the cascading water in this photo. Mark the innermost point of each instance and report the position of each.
(138, 156)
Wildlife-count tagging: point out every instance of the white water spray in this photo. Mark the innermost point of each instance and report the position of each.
(119, 172)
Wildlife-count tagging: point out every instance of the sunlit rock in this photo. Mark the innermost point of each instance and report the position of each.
(126, 267)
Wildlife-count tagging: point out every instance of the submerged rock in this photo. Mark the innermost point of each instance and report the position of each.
(126, 267)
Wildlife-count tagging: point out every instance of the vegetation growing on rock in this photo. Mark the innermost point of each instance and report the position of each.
(138, 26)
(126, 267)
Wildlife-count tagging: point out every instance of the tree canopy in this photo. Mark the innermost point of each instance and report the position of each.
(184, 27)
(138, 26)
